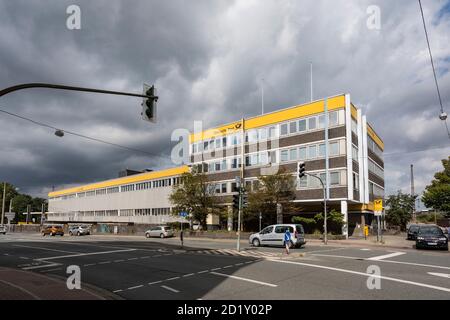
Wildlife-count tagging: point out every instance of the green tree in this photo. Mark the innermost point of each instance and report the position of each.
(437, 194)
(271, 190)
(335, 221)
(399, 209)
(196, 196)
(11, 193)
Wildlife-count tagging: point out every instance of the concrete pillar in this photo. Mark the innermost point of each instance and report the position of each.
(230, 218)
(344, 211)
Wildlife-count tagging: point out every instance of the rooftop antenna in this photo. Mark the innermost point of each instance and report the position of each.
(262, 96)
(311, 72)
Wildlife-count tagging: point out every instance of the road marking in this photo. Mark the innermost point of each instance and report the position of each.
(85, 254)
(215, 269)
(364, 249)
(174, 278)
(390, 255)
(443, 275)
(115, 291)
(244, 279)
(150, 283)
(42, 266)
(42, 248)
(336, 256)
(104, 262)
(89, 264)
(146, 257)
(132, 259)
(228, 266)
(188, 275)
(364, 274)
(239, 264)
(25, 258)
(170, 289)
(135, 287)
(203, 271)
(21, 289)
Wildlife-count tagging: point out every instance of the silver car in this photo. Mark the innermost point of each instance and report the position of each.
(160, 232)
(79, 230)
(274, 236)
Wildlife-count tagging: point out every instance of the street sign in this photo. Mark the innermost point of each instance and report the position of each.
(10, 215)
(378, 205)
(183, 214)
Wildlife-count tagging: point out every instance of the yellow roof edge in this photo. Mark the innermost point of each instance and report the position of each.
(232, 126)
(371, 132)
(121, 181)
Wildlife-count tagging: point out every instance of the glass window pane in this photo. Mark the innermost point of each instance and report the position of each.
(302, 125)
(284, 155)
(312, 123)
(312, 152)
(205, 145)
(302, 153)
(322, 150)
(333, 118)
(334, 178)
(224, 142)
(293, 127)
(284, 129)
(303, 183)
(293, 154)
(334, 149)
(263, 158)
(219, 143)
(263, 134)
(272, 132)
(322, 121)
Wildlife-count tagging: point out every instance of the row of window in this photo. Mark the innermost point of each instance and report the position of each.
(125, 188)
(375, 169)
(375, 191)
(153, 212)
(309, 152)
(374, 147)
(267, 133)
(312, 182)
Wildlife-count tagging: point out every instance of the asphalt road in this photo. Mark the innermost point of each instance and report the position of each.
(138, 268)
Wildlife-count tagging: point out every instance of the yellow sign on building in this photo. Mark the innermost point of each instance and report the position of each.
(378, 205)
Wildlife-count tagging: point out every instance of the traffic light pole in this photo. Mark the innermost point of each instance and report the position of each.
(70, 88)
(325, 236)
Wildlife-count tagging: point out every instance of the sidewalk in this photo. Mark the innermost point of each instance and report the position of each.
(25, 285)
(389, 241)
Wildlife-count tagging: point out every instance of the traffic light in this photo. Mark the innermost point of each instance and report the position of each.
(244, 200)
(149, 104)
(300, 170)
(236, 201)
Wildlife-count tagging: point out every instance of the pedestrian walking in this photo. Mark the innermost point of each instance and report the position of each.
(287, 240)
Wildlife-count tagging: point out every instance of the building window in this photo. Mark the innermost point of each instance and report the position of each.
(218, 143)
(303, 182)
(293, 154)
(334, 178)
(224, 188)
(322, 121)
(284, 129)
(322, 150)
(355, 181)
(293, 127)
(312, 152)
(354, 126)
(312, 123)
(333, 118)
(302, 125)
(334, 148)
(284, 156)
(302, 153)
(272, 132)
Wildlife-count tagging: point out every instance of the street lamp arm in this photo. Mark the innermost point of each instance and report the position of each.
(70, 88)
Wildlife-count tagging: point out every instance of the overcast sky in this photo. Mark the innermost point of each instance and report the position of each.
(207, 59)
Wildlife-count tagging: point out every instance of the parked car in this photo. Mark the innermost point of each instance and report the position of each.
(3, 229)
(79, 230)
(274, 236)
(412, 232)
(431, 236)
(53, 230)
(159, 231)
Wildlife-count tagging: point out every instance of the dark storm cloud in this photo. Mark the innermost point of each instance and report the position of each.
(208, 59)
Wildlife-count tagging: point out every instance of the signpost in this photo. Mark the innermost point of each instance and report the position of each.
(183, 214)
(378, 210)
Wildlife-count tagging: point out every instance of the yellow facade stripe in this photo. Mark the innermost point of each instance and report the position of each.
(354, 112)
(375, 137)
(271, 118)
(122, 181)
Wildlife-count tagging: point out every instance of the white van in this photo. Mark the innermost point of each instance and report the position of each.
(274, 236)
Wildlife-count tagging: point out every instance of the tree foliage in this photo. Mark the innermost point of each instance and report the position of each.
(399, 209)
(271, 190)
(195, 196)
(437, 194)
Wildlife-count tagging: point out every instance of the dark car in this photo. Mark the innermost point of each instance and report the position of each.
(412, 232)
(431, 237)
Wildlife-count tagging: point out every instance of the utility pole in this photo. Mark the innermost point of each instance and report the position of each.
(3, 202)
(412, 193)
(242, 182)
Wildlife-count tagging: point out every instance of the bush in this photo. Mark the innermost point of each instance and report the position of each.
(308, 224)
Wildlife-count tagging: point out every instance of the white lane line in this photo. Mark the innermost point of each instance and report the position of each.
(170, 289)
(146, 257)
(188, 275)
(204, 271)
(42, 266)
(386, 256)
(364, 249)
(215, 269)
(227, 266)
(239, 264)
(104, 262)
(85, 254)
(244, 279)
(135, 287)
(120, 260)
(154, 282)
(174, 278)
(115, 291)
(364, 274)
(443, 275)
(42, 248)
(132, 259)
